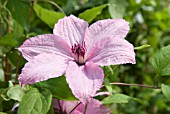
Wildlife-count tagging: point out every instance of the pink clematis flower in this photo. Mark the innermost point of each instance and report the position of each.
(76, 50)
(74, 107)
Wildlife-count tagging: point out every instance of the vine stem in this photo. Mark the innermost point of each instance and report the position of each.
(24, 38)
(74, 108)
(85, 108)
(17, 67)
(56, 5)
(140, 85)
(7, 67)
(19, 62)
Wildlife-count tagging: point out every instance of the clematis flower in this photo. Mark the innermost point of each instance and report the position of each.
(74, 107)
(76, 50)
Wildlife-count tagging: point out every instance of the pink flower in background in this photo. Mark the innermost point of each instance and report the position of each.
(76, 50)
(73, 107)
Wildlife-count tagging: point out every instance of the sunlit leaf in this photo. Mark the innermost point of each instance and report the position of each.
(48, 16)
(91, 14)
(166, 91)
(4, 94)
(1, 91)
(58, 87)
(117, 8)
(15, 93)
(161, 61)
(35, 102)
(117, 98)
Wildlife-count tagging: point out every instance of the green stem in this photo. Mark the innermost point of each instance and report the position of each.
(155, 83)
(56, 5)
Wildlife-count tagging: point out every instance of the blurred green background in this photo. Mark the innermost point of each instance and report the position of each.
(149, 24)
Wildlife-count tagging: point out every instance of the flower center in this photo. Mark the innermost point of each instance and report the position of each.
(79, 52)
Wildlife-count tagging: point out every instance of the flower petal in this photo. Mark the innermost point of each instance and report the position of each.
(64, 106)
(93, 107)
(112, 51)
(47, 43)
(43, 67)
(71, 29)
(115, 28)
(84, 80)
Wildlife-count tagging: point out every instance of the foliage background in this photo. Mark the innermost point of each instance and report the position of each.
(149, 22)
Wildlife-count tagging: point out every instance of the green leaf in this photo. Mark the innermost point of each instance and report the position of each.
(1, 91)
(161, 61)
(18, 32)
(4, 94)
(108, 85)
(110, 69)
(15, 93)
(166, 91)
(139, 100)
(117, 98)
(117, 8)
(8, 40)
(48, 16)
(58, 87)
(3, 113)
(142, 47)
(20, 11)
(90, 14)
(35, 102)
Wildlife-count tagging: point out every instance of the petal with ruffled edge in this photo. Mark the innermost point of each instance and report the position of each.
(114, 28)
(93, 107)
(112, 51)
(43, 67)
(71, 29)
(84, 80)
(47, 43)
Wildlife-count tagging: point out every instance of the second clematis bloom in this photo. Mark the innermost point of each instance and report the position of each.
(74, 107)
(76, 50)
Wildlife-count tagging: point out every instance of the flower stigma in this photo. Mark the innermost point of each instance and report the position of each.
(79, 52)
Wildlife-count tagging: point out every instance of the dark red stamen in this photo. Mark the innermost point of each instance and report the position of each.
(79, 50)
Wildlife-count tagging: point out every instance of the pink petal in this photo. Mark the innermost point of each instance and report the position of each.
(93, 107)
(112, 51)
(71, 29)
(114, 28)
(47, 43)
(65, 106)
(43, 67)
(84, 80)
